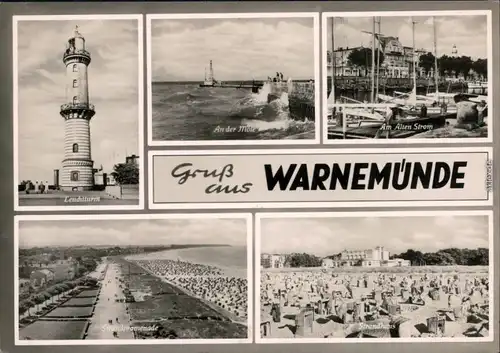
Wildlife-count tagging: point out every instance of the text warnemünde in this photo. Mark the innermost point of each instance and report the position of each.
(366, 176)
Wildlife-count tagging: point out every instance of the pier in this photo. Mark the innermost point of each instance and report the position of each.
(244, 85)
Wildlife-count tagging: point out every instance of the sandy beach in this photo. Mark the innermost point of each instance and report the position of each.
(185, 255)
(375, 304)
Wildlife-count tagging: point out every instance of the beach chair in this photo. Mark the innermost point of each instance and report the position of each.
(276, 312)
(265, 329)
(405, 294)
(436, 325)
(304, 322)
(434, 294)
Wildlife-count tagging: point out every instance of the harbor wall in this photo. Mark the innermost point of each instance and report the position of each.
(349, 83)
(300, 99)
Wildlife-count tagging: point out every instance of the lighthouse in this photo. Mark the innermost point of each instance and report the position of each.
(77, 172)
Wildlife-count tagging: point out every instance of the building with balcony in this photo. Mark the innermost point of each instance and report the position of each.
(398, 60)
(41, 278)
(376, 257)
(272, 261)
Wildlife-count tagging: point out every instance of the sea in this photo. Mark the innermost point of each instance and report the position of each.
(232, 258)
(186, 111)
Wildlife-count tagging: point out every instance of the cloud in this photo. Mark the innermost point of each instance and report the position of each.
(133, 232)
(239, 48)
(327, 236)
(468, 33)
(113, 88)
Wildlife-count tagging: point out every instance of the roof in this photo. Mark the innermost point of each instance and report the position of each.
(46, 271)
(340, 49)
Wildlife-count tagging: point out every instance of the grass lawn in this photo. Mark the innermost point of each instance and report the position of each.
(79, 302)
(54, 330)
(207, 329)
(68, 312)
(142, 281)
(171, 306)
(88, 293)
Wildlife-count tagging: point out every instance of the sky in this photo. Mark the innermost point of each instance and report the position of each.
(241, 49)
(468, 33)
(113, 89)
(132, 232)
(328, 236)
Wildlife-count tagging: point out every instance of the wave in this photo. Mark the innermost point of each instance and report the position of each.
(255, 111)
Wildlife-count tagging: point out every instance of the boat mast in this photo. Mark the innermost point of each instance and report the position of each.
(436, 72)
(378, 54)
(414, 62)
(373, 61)
(334, 61)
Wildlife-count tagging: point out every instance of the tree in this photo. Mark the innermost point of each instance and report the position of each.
(81, 271)
(362, 58)
(464, 65)
(415, 257)
(302, 260)
(126, 173)
(426, 62)
(480, 66)
(450, 256)
(445, 65)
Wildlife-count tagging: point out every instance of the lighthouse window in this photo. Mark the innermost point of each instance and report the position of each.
(75, 68)
(75, 99)
(75, 83)
(74, 176)
(75, 148)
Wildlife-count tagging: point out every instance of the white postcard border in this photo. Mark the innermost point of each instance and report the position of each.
(491, 72)
(222, 142)
(140, 117)
(295, 215)
(152, 216)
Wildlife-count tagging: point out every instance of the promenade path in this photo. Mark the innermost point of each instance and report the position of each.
(108, 309)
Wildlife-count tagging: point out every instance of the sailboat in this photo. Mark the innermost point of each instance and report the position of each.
(330, 102)
(356, 116)
(410, 100)
(443, 97)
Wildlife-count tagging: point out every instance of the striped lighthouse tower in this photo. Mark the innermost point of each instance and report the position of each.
(77, 167)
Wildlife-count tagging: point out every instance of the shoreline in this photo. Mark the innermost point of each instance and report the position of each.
(228, 271)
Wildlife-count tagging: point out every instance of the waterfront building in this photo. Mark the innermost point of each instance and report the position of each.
(376, 257)
(398, 60)
(272, 261)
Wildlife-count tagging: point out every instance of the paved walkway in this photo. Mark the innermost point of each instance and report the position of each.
(108, 309)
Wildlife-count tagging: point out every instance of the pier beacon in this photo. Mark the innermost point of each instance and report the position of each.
(77, 167)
